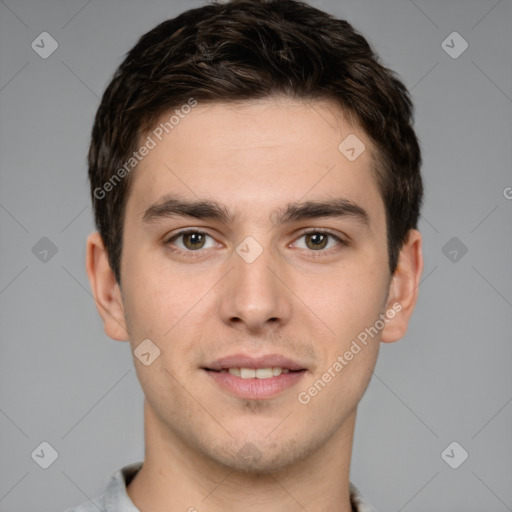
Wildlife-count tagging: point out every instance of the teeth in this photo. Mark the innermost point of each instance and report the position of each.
(260, 373)
(264, 373)
(247, 373)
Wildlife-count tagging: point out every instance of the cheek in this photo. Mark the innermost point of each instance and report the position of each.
(155, 298)
(170, 307)
(348, 300)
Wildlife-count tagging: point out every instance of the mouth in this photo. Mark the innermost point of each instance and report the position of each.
(255, 378)
(255, 373)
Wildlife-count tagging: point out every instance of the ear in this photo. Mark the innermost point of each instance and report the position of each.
(106, 291)
(403, 289)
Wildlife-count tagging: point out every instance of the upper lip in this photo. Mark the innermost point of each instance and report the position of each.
(246, 361)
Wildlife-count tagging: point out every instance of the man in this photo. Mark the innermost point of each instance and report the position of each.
(256, 186)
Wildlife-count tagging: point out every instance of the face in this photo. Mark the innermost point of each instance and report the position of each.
(266, 281)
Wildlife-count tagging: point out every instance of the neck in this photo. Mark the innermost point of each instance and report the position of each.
(174, 477)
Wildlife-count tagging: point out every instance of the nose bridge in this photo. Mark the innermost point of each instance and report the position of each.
(254, 295)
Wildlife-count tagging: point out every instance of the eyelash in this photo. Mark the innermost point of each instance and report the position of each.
(315, 254)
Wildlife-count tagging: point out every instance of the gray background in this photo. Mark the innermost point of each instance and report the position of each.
(65, 382)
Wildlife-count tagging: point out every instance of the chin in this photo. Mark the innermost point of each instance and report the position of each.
(259, 458)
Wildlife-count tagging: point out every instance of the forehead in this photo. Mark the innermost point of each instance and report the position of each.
(255, 156)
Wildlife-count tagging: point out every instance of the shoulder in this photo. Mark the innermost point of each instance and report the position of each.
(113, 497)
(99, 503)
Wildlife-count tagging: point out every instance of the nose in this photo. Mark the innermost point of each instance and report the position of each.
(254, 295)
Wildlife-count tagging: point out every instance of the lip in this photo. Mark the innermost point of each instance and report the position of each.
(255, 389)
(246, 361)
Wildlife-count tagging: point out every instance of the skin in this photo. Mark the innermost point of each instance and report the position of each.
(253, 157)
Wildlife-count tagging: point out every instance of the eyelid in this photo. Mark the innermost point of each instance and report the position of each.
(323, 231)
(169, 238)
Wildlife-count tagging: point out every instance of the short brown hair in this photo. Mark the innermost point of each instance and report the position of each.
(250, 49)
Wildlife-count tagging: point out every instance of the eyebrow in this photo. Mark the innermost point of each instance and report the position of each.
(171, 206)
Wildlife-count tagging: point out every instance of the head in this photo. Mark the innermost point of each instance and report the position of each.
(243, 109)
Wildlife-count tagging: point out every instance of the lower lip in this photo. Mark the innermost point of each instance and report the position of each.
(255, 389)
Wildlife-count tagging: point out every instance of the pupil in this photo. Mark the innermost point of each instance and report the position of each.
(318, 240)
(193, 241)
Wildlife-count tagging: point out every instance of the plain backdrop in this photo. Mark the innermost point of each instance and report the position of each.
(64, 382)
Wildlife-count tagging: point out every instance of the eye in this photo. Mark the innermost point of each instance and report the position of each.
(192, 240)
(318, 240)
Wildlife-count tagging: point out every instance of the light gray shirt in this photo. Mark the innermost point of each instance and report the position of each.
(114, 497)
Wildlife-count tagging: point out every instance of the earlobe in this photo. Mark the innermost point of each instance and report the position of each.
(105, 289)
(403, 291)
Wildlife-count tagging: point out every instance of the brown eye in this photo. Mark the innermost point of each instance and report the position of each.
(316, 240)
(319, 241)
(193, 241)
(190, 241)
